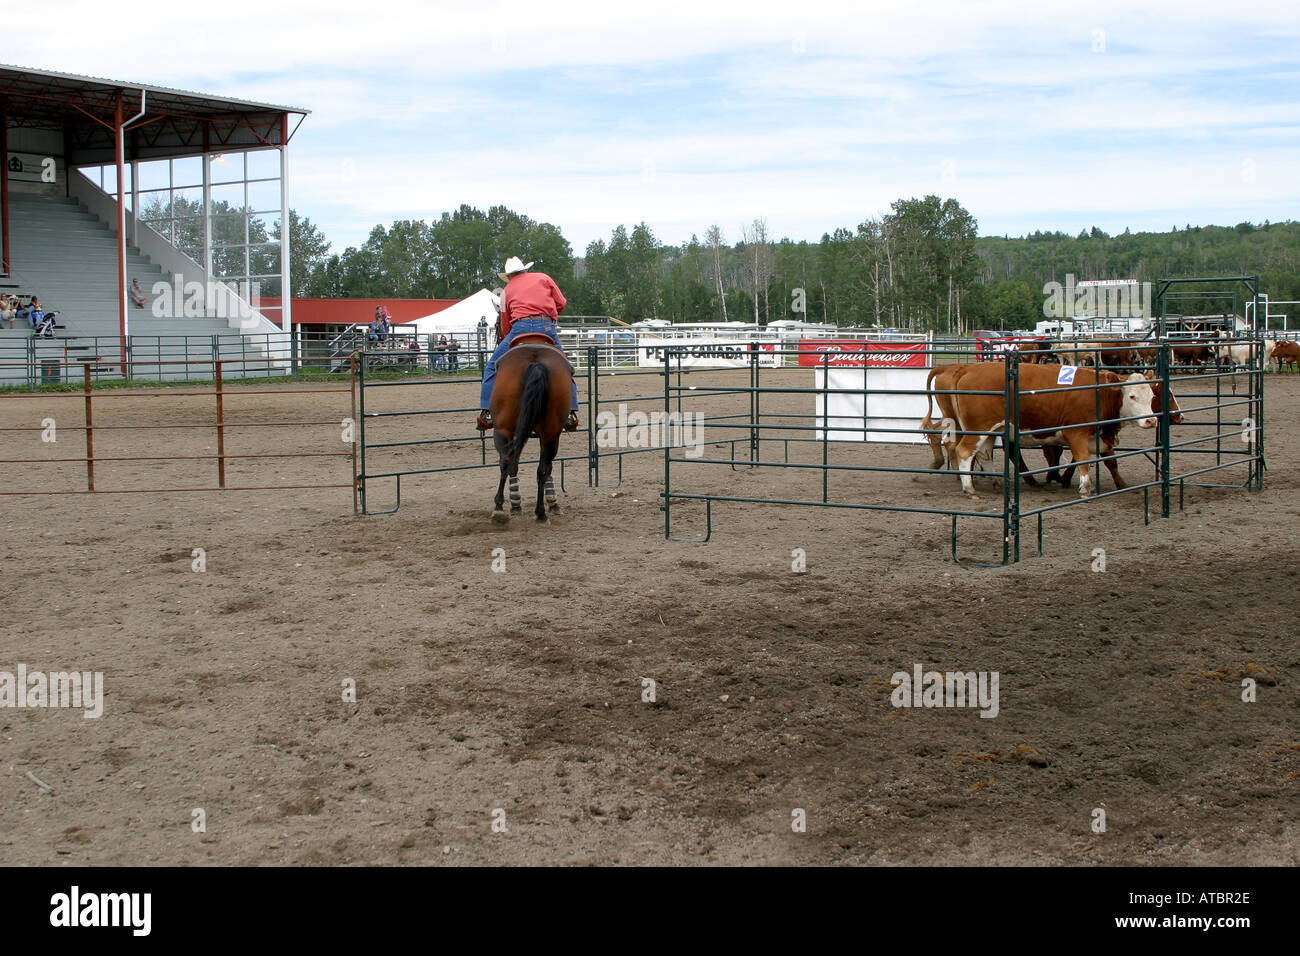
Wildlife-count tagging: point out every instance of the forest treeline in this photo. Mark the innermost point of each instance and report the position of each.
(921, 266)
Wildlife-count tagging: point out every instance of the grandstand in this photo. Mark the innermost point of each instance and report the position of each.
(196, 224)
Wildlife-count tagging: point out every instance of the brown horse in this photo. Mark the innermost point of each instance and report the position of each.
(531, 394)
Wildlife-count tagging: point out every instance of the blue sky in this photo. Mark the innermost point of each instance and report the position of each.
(808, 115)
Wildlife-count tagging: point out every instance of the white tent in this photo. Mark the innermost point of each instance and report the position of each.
(460, 319)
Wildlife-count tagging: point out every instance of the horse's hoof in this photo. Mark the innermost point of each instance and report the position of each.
(554, 509)
(500, 517)
(516, 511)
(543, 519)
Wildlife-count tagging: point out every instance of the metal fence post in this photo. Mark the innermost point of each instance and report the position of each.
(221, 425)
(360, 359)
(352, 363)
(754, 427)
(90, 433)
(1015, 463)
(1010, 459)
(826, 425)
(1257, 383)
(668, 448)
(1162, 370)
(593, 404)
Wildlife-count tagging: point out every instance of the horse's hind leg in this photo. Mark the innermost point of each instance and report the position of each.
(545, 486)
(516, 505)
(552, 502)
(499, 513)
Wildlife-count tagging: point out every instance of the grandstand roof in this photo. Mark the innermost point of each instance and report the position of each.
(176, 122)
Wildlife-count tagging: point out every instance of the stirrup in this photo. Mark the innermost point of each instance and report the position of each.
(484, 421)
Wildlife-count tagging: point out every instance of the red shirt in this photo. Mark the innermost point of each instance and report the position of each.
(527, 294)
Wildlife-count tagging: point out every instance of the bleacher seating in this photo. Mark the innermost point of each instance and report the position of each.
(68, 257)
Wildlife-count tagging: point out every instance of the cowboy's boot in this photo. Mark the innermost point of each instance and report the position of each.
(571, 424)
(484, 421)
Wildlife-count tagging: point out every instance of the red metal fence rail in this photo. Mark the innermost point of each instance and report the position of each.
(218, 391)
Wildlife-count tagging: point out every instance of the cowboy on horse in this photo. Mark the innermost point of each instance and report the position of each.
(530, 304)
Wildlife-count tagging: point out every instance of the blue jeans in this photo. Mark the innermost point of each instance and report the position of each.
(536, 324)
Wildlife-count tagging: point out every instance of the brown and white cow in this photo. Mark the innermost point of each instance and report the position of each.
(1287, 353)
(941, 434)
(1117, 353)
(1052, 452)
(1035, 351)
(1045, 405)
(941, 377)
(1193, 353)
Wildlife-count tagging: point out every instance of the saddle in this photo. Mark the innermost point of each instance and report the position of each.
(540, 340)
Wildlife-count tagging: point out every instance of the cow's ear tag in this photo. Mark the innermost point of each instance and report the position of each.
(1066, 375)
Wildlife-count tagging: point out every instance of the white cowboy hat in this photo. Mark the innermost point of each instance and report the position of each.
(513, 265)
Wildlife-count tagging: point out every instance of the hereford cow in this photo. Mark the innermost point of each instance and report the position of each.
(1286, 353)
(1043, 405)
(941, 377)
(1052, 451)
(942, 434)
(1194, 353)
(1035, 351)
(942, 437)
(1114, 353)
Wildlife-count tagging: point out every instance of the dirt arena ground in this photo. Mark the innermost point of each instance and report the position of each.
(517, 697)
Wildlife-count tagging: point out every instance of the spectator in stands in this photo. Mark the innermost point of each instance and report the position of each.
(440, 354)
(42, 321)
(137, 294)
(453, 354)
(372, 332)
(36, 316)
(8, 310)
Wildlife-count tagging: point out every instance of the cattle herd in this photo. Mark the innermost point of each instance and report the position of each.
(1074, 396)
(1082, 411)
(1137, 353)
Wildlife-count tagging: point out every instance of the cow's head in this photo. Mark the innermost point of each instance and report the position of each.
(1137, 400)
(1157, 404)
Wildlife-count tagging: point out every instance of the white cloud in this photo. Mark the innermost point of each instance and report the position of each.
(814, 115)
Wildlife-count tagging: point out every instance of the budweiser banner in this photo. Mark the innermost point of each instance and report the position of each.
(848, 353)
(705, 353)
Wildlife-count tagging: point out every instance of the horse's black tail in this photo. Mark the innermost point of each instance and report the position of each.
(532, 402)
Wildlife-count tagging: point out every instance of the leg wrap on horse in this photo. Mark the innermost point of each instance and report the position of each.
(514, 492)
(550, 492)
